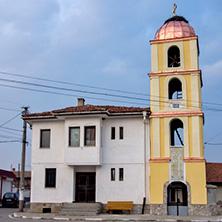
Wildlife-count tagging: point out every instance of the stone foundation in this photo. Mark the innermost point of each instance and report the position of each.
(45, 207)
(202, 210)
(153, 209)
(158, 209)
(219, 207)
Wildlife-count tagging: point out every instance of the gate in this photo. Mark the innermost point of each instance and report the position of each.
(177, 199)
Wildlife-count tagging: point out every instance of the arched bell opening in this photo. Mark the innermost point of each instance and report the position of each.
(176, 133)
(175, 89)
(173, 57)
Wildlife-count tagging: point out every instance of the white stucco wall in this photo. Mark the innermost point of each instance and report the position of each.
(83, 155)
(63, 192)
(106, 154)
(6, 185)
(128, 154)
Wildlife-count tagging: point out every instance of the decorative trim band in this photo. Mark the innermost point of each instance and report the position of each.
(159, 160)
(173, 114)
(173, 39)
(194, 159)
(175, 72)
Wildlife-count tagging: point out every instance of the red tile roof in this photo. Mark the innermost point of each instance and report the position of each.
(6, 173)
(214, 172)
(18, 174)
(88, 108)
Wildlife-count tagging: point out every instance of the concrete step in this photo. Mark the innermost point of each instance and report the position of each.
(80, 209)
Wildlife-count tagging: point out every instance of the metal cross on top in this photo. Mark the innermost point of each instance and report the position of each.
(174, 9)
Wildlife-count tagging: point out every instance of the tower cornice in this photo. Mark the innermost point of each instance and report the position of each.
(174, 72)
(176, 114)
(173, 39)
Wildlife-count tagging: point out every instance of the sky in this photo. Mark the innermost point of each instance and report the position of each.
(92, 47)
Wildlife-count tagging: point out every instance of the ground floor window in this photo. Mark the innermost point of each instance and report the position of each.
(113, 174)
(50, 177)
(121, 174)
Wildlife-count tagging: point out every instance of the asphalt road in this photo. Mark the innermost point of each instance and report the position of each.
(6, 212)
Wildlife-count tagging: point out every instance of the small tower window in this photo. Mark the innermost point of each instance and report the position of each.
(174, 57)
(176, 133)
(175, 89)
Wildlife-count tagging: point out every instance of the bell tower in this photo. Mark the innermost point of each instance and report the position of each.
(177, 164)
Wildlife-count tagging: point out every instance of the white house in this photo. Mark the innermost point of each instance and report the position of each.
(89, 153)
(6, 180)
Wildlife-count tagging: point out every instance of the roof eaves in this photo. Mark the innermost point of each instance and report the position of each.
(80, 113)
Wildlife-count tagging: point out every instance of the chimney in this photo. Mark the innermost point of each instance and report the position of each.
(81, 102)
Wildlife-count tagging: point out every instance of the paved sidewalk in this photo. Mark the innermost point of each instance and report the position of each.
(116, 217)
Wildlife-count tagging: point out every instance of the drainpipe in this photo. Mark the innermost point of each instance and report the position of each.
(145, 139)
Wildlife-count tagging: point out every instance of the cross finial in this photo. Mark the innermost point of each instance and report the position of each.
(174, 9)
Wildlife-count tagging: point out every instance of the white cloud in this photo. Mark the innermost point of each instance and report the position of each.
(116, 67)
(212, 72)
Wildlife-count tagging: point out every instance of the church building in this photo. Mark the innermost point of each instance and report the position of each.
(151, 156)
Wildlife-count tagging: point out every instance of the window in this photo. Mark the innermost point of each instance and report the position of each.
(173, 57)
(113, 174)
(121, 133)
(113, 133)
(90, 135)
(45, 138)
(50, 177)
(121, 174)
(74, 133)
(175, 89)
(176, 131)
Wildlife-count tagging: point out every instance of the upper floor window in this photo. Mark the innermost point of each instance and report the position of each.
(74, 136)
(121, 133)
(50, 177)
(113, 133)
(173, 56)
(90, 136)
(175, 89)
(176, 132)
(45, 138)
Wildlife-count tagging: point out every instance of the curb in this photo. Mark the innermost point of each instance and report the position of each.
(56, 218)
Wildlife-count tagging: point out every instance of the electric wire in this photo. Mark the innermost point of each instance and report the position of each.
(10, 119)
(11, 141)
(73, 84)
(95, 87)
(213, 137)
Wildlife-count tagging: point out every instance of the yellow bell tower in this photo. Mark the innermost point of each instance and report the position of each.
(177, 164)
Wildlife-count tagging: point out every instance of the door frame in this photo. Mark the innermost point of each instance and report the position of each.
(85, 188)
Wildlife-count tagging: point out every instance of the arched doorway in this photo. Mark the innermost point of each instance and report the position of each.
(177, 199)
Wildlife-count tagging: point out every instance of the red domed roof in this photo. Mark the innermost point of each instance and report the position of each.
(175, 27)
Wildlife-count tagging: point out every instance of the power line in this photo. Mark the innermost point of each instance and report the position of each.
(94, 87)
(72, 90)
(65, 94)
(8, 128)
(97, 93)
(214, 144)
(11, 141)
(9, 109)
(213, 137)
(10, 119)
(73, 84)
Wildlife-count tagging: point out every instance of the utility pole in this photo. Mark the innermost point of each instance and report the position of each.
(22, 175)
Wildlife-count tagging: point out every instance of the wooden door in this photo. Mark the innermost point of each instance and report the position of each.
(85, 187)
